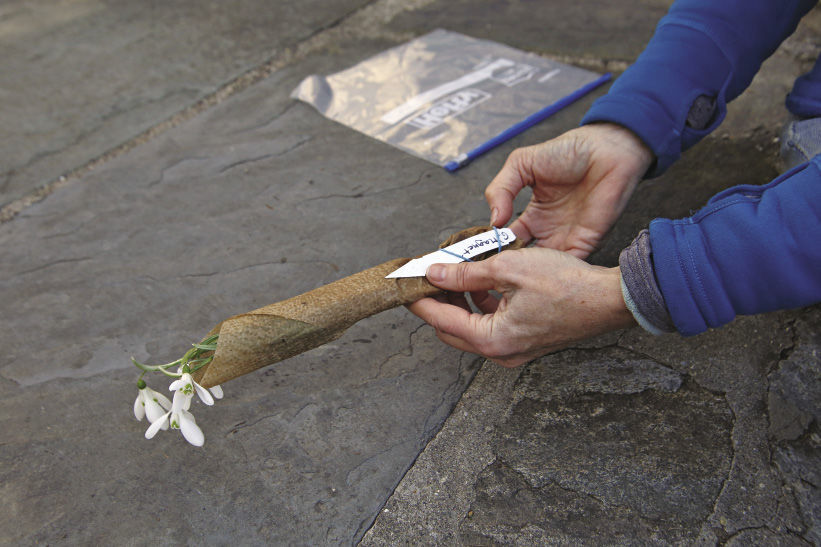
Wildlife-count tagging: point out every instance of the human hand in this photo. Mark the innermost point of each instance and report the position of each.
(581, 183)
(549, 299)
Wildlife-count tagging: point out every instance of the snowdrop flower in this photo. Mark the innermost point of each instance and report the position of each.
(187, 386)
(178, 418)
(175, 414)
(150, 403)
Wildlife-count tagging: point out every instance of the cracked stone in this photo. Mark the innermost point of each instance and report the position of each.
(578, 435)
(762, 536)
(795, 385)
(736, 360)
(800, 464)
(508, 509)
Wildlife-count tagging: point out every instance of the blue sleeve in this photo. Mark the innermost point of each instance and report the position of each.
(751, 249)
(709, 48)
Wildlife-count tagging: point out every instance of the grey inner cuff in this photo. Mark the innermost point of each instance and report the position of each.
(638, 277)
(701, 112)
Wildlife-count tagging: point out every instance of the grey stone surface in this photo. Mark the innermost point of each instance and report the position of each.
(634, 441)
(255, 201)
(603, 408)
(795, 386)
(80, 77)
(735, 361)
(601, 34)
(625, 439)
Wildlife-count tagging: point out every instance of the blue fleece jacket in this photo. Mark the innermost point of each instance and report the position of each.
(752, 248)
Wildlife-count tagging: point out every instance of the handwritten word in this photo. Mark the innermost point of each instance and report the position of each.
(470, 250)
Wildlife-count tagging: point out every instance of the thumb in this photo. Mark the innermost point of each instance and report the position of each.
(462, 277)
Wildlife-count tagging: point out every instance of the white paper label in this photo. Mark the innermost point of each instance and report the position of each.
(467, 248)
(482, 243)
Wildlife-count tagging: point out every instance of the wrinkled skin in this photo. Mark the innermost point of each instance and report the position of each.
(549, 297)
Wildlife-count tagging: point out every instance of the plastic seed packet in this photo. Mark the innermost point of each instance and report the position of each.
(446, 97)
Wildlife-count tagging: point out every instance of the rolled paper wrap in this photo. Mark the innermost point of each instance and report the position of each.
(265, 336)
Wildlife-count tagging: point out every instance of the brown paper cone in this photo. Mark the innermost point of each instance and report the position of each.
(265, 336)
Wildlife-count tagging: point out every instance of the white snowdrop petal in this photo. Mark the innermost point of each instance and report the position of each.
(181, 401)
(176, 385)
(216, 391)
(205, 396)
(139, 410)
(153, 410)
(190, 430)
(156, 426)
(161, 399)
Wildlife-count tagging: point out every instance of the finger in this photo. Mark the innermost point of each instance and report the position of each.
(485, 301)
(504, 187)
(580, 253)
(472, 329)
(455, 342)
(463, 277)
(461, 329)
(511, 362)
(457, 299)
(522, 230)
(442, 317)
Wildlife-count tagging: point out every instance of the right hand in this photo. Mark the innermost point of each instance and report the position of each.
(581, 183)
(548, 301)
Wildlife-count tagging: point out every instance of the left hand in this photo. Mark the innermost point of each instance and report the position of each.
(581, 183)
(549, 299)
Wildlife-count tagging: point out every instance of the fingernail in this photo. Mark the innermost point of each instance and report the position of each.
(494, 213)
(436, 272)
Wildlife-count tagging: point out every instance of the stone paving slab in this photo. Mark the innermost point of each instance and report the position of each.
(80, 77)
(627, 441)
(598, 34)
(257, 200)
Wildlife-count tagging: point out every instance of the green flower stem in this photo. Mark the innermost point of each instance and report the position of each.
(197, 357)
(171, 374)
(199, 363)
(155, 368)
(205, 347)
